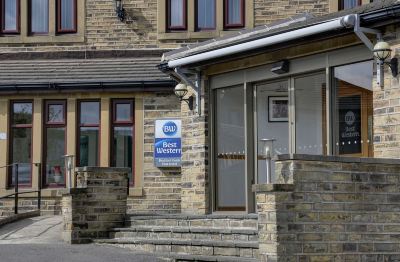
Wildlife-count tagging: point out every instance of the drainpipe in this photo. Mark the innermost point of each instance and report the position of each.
(343, 22)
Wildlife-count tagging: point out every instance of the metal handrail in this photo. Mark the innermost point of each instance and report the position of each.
(16, 186)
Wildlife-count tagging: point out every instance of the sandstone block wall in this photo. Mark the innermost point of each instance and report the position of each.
(331, 209)
(195, 167)
(97, 205)
(161, 186)
(104, 31)
(387, 105)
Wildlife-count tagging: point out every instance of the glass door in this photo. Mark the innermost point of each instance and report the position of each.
(230, 179)
(272, 120)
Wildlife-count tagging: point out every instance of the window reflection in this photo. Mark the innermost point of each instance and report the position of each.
(353, 109)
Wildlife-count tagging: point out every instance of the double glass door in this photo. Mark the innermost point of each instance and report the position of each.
(267, 111)
(302, 114)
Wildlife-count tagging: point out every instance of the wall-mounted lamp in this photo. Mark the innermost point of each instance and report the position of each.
(119, 9)
(382, 51)
(180, 91)
(281, 67)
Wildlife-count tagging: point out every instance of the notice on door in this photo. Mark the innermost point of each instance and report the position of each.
(350, 125)
(167, 143)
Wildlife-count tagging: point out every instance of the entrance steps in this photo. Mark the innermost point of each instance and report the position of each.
(190, 238)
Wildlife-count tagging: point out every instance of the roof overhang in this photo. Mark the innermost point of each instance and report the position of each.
(387, 11)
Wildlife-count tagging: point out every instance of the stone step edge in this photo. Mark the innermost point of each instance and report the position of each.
(185, 229)
(216, 258)
(130, 217)
(188, 257)
(209, 243)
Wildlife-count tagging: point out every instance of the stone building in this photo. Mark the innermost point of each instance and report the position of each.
(78, 58)
(79, 78)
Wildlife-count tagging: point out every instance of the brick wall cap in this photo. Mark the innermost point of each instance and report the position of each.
(272, 187)
(366, 160)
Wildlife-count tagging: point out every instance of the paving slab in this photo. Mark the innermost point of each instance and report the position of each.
(38, 239)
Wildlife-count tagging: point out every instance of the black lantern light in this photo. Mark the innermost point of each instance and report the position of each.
(119, 9)
(180, 91)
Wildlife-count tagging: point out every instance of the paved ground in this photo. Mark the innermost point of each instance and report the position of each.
(39, 240)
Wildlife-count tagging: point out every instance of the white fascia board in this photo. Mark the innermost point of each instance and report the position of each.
(347, 21)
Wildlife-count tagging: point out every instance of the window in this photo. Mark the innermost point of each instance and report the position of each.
(234, 13)
(122, 143)
(54, 143)
(39, 16)
(88, 133)
(205, 14)
(348, 4)
(66, 16)
(176, 13)
(21, 142)
(9, 16)
(353, 110)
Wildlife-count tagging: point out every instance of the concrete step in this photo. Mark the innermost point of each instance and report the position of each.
(248, 221)
(237, 249)
(191, 233)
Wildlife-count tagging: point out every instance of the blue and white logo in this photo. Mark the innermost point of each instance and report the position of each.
(170, 128)
(167, 143)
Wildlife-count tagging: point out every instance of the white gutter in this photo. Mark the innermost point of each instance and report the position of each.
(347, 21)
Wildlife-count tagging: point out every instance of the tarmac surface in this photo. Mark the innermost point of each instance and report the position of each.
(38, 239)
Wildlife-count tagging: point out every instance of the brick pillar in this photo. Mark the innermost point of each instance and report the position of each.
(195, 191)
(269, 204)
(96, 205)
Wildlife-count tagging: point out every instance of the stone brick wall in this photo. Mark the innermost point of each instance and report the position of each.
(266, 12)
(49, 205)
(96, 206)
(195, 166)
(331, 209)
(104, 31)
(387, 105)
(161, 186)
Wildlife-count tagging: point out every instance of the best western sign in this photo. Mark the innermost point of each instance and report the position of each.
(167, 143)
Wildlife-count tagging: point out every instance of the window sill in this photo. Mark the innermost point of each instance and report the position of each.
(193, 35)
(42, 39)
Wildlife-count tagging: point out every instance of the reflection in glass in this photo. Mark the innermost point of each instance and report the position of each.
(177, 13)
(272, 123)
(67, 15)
(22, 113)
(10, 11)
(205, 14)
(234, 16)
(310, 92)
(56, 113)
(230, 140)
(90, 113)
(123, 148)
(39, 16)
(123, 112)
(55, 151)
(348, 4)
(353, 110)
(21, 154)
(89, 146)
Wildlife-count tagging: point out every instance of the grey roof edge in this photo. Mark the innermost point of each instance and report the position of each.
(123, 86)
(84, 54)
(222, 42)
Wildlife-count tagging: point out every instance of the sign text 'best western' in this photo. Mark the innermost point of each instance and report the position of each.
(167, 144)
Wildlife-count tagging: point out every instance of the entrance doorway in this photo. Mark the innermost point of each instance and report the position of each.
(303, 114)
